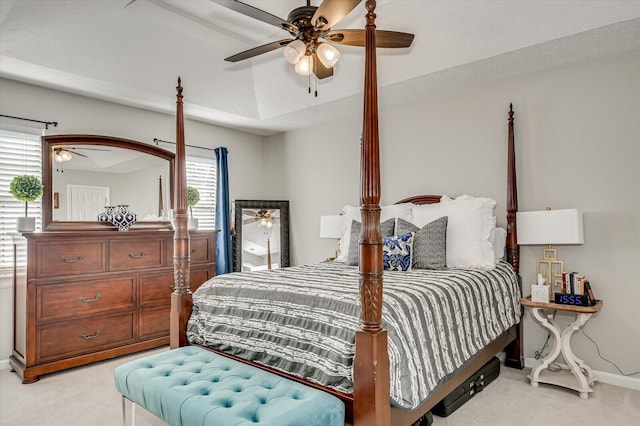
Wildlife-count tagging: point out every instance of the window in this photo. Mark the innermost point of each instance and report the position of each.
(20, 156)
(201, 174)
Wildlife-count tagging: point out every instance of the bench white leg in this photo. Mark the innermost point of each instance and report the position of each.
(124, 412)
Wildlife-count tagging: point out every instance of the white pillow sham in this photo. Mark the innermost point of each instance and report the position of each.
(353, 213)
(469, 229)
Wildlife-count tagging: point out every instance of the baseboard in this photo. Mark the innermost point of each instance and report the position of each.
(627, 382)
(4, 364)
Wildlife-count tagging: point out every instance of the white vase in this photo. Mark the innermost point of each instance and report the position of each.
(26, 224)
(192, 224)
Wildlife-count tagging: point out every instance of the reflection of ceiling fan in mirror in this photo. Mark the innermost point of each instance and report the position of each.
(263, 218)
(66, 153)
(310, 26)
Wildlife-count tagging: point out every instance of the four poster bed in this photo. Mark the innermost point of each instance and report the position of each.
(372, 372)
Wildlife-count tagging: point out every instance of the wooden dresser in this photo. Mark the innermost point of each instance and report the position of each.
(89, 296)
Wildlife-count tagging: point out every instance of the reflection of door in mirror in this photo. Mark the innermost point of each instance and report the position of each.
(261, 240)
(85, 202)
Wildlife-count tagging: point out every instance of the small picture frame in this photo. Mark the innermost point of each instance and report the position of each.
(56, 200)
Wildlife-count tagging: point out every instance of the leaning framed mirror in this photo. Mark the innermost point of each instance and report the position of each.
(261, 238)
(82, 174)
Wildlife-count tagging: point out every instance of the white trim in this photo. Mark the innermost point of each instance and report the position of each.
(4, 364)
(627, 382)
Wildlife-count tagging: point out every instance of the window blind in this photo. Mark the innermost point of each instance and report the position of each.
(20, 156)
(201, 174)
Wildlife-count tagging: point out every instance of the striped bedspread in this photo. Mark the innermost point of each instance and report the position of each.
(302, 320)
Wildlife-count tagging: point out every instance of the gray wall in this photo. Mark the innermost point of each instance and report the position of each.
(77, 114)
(577, 145)
(577, 131)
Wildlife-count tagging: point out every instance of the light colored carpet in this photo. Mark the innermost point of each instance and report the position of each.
(86, 396)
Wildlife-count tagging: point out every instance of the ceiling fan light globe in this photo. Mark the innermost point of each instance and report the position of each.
(294, 51)
(62, 156)
(303, 67)
(328, 54)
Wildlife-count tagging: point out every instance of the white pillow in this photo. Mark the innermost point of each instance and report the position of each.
(353, 213)
(469, 229)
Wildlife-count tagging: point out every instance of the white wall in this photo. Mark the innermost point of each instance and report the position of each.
(77, 114)
(577, 135)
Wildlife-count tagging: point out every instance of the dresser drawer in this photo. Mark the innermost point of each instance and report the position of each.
(154, 322)
(158, 287)
(84, 336)
(201, 250)
(80, 298)
(136, 254)
(70, 258)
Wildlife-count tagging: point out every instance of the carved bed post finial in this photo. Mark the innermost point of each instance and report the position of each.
(181, 298)
(372, 405)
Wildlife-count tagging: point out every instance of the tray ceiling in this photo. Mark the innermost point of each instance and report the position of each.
(133, 55)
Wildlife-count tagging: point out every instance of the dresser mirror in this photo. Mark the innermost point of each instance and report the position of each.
(82, 174)
(261, 235)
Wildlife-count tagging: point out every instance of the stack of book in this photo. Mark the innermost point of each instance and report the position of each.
(576, 290)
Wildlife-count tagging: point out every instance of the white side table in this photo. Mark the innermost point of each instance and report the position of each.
(580, 377)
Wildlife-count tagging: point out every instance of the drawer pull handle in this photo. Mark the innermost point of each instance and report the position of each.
(137, 256)
(172, 287)
(76, 260)
(194, 250)
(95, 299)
(93, 336)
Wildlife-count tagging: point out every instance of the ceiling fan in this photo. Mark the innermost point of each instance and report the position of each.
(311, 49)
(64, 154)
(263, 218)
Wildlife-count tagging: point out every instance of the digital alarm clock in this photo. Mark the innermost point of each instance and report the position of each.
(571, 299)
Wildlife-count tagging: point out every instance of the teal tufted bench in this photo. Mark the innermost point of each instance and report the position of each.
(191, 386)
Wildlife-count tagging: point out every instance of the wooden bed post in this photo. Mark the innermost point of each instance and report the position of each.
(181, 298)
(514, 356)
(372, 404)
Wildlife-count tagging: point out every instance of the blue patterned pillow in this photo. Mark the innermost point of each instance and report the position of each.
(397, 252)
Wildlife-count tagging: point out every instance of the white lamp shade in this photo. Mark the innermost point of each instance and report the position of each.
(550, 227)
(303, 67)
(294, 51)
(331, 226)
(328, 54)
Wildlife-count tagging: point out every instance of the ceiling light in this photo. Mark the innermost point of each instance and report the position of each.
(62, 155)
(328, 54)
(294, 51)
(303, 67)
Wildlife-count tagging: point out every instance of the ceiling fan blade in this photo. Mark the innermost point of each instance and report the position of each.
(258, 50)
(319, 69)
(386, 39)
(330, 12)
(80, 154)
(85, 149)
(254, 13)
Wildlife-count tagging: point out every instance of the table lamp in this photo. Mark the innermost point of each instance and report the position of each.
(331, 227)
(546, 228)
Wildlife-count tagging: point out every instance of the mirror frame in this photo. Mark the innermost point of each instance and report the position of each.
(284, 229)
(51, 141)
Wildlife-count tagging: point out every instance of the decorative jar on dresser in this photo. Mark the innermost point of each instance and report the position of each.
(87, 296)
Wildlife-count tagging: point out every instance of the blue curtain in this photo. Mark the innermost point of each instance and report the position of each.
(224, 255)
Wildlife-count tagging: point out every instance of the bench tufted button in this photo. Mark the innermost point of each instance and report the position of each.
(228, 404)
(215, 380)
(295, 396)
